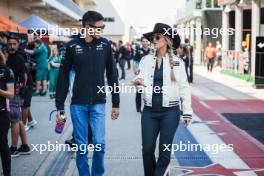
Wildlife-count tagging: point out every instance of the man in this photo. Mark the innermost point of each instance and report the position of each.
(27, 118)
(3, 44)
(90, 56)
(16, 62)
(6, 92)
(218, 54)
(122, 58)
(41, 55)
(209, 56)
(140, 53)
(129, 54)
(189, 60)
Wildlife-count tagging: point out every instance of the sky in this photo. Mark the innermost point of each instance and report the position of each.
(143, 14)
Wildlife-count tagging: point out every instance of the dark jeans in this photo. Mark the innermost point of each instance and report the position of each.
(138, 101)
(191, 72)
(153, 123)
(122, 64)
(210, 64)
(4, 149)
(128, 63)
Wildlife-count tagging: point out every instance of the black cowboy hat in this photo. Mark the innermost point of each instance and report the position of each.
(165, 30)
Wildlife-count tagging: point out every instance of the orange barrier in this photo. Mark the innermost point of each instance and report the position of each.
(8, 25)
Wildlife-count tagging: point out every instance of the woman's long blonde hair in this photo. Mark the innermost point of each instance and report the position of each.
(170, 53)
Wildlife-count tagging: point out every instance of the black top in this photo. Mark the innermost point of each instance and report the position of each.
(190, 47)
(124, 52)
(141, 52)
(6, 77)
(157, 84)
(90, 61)
(16, 63)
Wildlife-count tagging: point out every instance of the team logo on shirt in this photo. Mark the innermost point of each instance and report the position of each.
(78, 49)
(176, 63)
(100, 46)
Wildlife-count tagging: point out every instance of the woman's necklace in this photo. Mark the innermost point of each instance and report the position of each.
(159, 60)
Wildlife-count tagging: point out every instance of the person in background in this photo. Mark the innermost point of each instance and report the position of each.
(129, 55)
(122, 58)
(54, 65)
(218, 54)
(27, 118)
(3, 44)
(41, 55)
(182, 53)
(140, 53)
(114, 52)
(15, 61)
(61, 49)
(209, 56)
(189, 65)
(6, 92)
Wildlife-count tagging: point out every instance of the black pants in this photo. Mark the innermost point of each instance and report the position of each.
(191, 72)
(187, 72)
(164, 123)
(4, 148)
(210, 64)
(122, 64)
(128, 63)
(138, 101)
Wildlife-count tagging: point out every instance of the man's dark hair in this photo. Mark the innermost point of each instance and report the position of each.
(4, 34)
(13, 37)
(143, 38)
(38, 41)
(91, 17)
(120, 42)
(186, 40)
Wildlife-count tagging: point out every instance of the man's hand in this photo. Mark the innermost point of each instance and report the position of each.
(186, 122)
(28, 51)
(115, 113)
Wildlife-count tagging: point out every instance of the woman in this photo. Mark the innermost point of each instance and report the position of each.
(161, 114)
(54, 65)
(6, 92)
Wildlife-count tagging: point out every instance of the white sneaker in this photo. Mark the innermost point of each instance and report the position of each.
(32, 123)
(27, 127)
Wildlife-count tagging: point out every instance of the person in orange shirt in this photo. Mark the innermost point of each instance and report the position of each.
(209, 56)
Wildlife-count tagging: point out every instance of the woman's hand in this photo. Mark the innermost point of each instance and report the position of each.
(138, 82)
(186, 122)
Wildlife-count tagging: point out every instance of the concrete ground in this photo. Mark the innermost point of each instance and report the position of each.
(123, 136)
